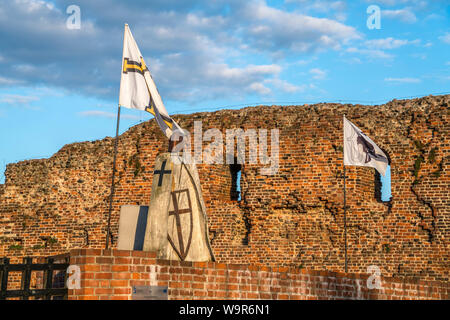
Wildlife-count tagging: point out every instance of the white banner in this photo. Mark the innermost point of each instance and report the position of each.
(137, 88)
(360, 150)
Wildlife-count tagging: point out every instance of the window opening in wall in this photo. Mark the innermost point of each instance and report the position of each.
(383, 185)
(238, 185)
(235, 169)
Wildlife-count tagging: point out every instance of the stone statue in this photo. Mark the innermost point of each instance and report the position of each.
(177, 222)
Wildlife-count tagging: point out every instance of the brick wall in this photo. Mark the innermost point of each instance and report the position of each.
(292, 219)
(110, 274)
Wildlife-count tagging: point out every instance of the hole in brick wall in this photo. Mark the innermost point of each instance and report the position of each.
(235, 170)
(238, 185)
(383, 185)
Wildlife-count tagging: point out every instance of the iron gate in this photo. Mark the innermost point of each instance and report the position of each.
(54, 285)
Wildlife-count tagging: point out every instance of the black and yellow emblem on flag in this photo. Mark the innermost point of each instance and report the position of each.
(134, 66)
(152, 110)
(141, 67)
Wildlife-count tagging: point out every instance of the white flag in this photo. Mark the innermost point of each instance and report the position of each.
(137, 88)
(360, 150)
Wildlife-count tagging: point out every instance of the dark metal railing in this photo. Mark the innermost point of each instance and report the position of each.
(52, 288)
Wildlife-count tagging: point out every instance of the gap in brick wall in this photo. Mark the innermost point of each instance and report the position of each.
(383, 185)
(235, 171)
(386, 185)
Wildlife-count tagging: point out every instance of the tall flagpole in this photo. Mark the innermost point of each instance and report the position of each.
(345, 203)
(345, 222)
(108, 231)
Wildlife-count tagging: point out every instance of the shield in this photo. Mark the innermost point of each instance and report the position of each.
(180, 224)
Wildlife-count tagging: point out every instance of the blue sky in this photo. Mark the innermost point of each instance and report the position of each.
(60, 85)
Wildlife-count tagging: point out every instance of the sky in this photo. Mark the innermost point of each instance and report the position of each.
(59, 75)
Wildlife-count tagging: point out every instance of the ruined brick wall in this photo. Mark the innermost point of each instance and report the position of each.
(293, 218)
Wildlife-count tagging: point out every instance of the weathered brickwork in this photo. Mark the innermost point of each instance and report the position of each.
(111, 274)
(291, 219)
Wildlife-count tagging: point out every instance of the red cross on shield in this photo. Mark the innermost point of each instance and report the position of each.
(182, 218)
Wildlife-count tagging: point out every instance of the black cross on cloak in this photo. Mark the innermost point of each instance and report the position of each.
(161, 172)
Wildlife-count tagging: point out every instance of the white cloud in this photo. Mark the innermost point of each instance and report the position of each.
(404, 15)
(318, 74)
(403, 80)
(286, 86)
(194, 50)
(273, 29)
(415, 3)
(371, 53)
(376, 48)
(227, 73)
(104, 114)
(8, 81)
(386, 2)
(24, 68)
(204, 22)
(258, 87)
(332, 8)
(35, 5)
(16, 99)
(340, 16)
(353, 60)
(303, 62)
(388, 43)
(193, 54)
(203, 78)
(445, 38)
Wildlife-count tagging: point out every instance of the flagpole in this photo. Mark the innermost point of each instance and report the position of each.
(345, 203)
(345, 222)
(108, 231)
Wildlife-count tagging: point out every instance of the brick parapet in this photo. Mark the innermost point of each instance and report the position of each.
(111, 274)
